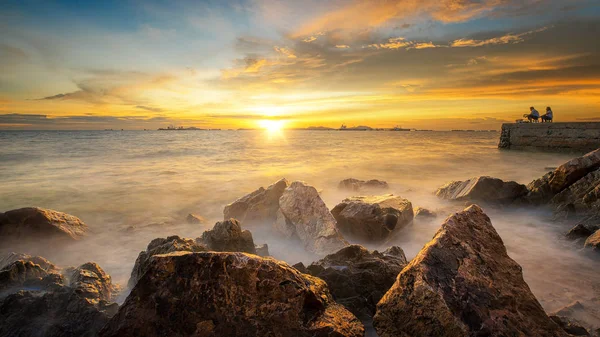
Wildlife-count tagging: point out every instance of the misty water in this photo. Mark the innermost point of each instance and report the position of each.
(133, 186)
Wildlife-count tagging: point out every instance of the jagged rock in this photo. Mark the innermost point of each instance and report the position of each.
(359, 185)
(358, 278)
(262, 250)
(372, 218)
(257, 208)
(38, 223)
(56, 313)
(304, 212)
(19, 273)
(194, 219)
(545, 188)
(576, 316)
(580, 198)
(161, 246)
(228, 236)
(463, 283)
(229, 294)
(91, 282)
(571, 327)
(593, 241)
(422, 213)
(482, 189)
(581, 231)
(42, 262)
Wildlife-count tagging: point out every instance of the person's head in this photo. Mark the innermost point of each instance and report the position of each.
(531, 108)
(548, 108)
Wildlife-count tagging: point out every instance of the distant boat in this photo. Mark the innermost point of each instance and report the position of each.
(355, 128)
(396, 128)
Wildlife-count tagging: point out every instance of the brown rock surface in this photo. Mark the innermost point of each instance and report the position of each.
(463, 283)
(91, 282)
(20, 273)
(482, 189)
(228, 236)
(38, 223)
(580, 198)
(593, 241)
(372, 218)
(42, 262)
(360, 185)
(229, 294)
(194, 219)
(257, 208)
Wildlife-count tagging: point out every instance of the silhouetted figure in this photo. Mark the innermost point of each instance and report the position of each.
(548, 116)
(533, 115)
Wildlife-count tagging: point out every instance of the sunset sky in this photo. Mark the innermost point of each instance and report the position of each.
(435, 64)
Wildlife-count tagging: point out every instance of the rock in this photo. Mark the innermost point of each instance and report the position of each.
(257, 208)
(580, 198)
(358, 278)
(161, 246)
(576, 316)
(91, 282)
(463, 283)
(229, 294)
(581, 231)
(372, 218)
(194, 219)
(38, 223)
(20, 273)
(42, 262)
(228, 236)
(304, 212)
(423, 213)
(262, 250)
(593, 241)
(545, 188)
(359, 185)
(570, 326)
(482, 189)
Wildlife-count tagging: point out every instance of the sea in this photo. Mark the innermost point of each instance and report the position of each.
(130, 187)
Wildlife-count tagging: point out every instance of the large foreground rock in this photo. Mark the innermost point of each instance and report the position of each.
(161, 246)
(356, 185)
(304, 215)
(482, 189)
(357, 277)
(228, 236)
(372, 218)
(545, 188)
(257, 208)
(38, 223)
(463, 283)
(229, 294)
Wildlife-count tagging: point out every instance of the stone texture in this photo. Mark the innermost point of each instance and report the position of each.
(576, 315)
(581, 231)
(593, 241)
(463, 283)
(352, 184)
(482, 189)
(228, 236)
(257, 208)
(579, 199)
(306, 216)
(262, 250)
(424, 213)
(91, 282)
(229, 294)
(194, 219)
(558, 136)
(20, 273)
(38, 223)
(358, 278)
(42, 262)
(161, 246)
(372, 218)
(571, 327)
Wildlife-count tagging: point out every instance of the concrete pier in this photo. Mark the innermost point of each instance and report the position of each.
(563, 137)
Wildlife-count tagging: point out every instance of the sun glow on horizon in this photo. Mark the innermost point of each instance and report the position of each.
(272, 126)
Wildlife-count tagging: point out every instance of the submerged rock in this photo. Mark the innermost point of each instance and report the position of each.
(571, 327)
(357, 277)
(359, 185)
(229, 294)
(463, 283)
(257, 208)
(228, 236)
(372, 218)
(576, 317)
(194, 219)
(38, 223)
(161, 246)
(424, 213)
(482, 189)
(304, 215)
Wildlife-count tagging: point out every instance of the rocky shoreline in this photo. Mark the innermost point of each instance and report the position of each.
(461, 283)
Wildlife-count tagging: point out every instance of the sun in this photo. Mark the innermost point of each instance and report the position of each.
(272, 126)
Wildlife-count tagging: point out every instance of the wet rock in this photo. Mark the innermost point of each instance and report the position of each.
(358, 278)
(463, 283)
(424, 213)
(262, 250)
(571, 327)
(593, 241)
(304, 213)
(38, 223)
(228, 236)
(352, 184)
(372, 218)
(194, 219)
(229, 294)
(577, 315)
(20, 273)
(545, 188)
(581, 231)
(91, 282)
(580, 198)
(42, 262)
(161, 246)
(482, 189)
(257, 208)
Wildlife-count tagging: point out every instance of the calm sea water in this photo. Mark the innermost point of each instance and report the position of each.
(132, 186)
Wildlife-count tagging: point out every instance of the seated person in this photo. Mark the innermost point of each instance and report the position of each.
(534, 115)
(548, 116)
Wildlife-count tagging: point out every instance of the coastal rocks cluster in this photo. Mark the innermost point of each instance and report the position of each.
(357, 185)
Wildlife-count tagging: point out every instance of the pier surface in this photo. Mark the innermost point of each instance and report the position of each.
(574, 137)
